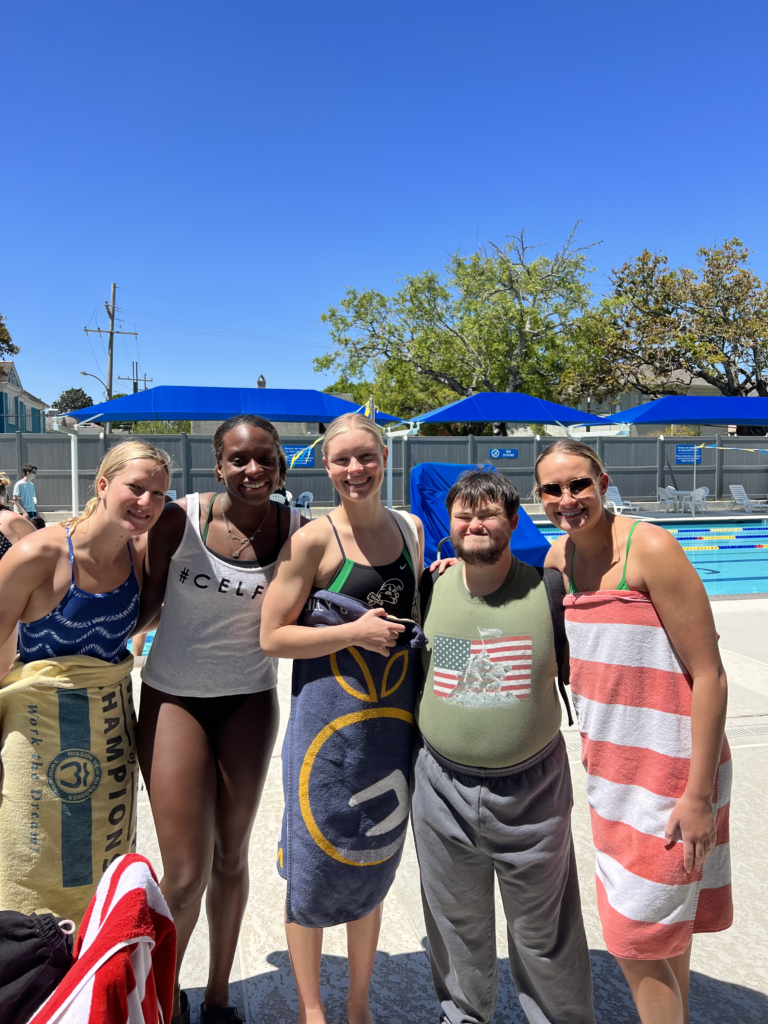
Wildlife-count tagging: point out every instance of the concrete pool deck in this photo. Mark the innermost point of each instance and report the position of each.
(730, 969)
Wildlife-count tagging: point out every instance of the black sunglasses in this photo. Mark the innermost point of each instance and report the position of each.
(574, 487)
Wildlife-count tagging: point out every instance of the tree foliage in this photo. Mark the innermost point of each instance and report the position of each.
(72, 399)
(499, 319)
(162, 427)
(670, 326)
(7, 348)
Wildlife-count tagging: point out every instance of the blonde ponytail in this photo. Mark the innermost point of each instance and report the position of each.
(114, 462)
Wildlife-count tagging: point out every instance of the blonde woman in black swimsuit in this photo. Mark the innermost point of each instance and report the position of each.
(360, 551)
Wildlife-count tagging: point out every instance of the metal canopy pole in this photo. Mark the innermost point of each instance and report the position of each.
(390, 455)
(74, 461)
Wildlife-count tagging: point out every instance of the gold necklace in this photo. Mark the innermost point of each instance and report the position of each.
(244, 541)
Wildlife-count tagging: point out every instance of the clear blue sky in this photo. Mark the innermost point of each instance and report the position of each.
(227, 161)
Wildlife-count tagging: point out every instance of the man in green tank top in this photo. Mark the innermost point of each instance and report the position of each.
(491, 782)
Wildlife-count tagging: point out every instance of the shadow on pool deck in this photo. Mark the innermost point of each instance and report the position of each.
(401, 989)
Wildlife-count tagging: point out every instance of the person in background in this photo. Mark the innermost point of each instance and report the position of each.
(650, 694)
(38, 522)
(209, 711)
(13, 527)
(491, 786)
(24, 497)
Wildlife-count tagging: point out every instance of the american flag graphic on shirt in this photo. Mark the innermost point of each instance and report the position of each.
(491, 669)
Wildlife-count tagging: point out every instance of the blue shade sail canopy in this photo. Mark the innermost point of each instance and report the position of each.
(430, 483)
(279, 405)
(506, 407)
(697, 409)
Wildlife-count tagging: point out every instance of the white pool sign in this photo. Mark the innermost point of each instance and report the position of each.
(687, 455)
(503, 453)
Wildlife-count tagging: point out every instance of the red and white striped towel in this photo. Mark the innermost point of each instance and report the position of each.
(633, 702)
(125, 954)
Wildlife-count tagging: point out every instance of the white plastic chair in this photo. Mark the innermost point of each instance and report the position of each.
(304, 502)
(698, 501)
(612, 497)
(282, 499)
(667, 498)
(740, 497)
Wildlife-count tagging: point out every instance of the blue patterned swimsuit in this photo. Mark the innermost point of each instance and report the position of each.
(98, 625)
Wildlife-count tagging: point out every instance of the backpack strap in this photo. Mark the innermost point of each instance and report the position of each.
(553, 582)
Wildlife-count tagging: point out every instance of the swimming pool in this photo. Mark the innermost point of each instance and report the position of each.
(730, 556)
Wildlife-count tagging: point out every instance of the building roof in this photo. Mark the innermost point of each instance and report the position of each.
(7, 370)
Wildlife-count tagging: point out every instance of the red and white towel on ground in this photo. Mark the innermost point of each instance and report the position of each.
(125, 954)
(633, 701)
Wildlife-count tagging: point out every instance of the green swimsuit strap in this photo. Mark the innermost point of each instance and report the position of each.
(573, 589)
(623, 584)
(208, 519)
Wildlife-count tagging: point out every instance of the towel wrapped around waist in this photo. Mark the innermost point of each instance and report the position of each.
(346, 769)
(69, 780)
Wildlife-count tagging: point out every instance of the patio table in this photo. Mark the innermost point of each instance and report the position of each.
(680, 497)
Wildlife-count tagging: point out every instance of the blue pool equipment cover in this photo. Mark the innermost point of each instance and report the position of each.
(506, 407)
(697, 409)
(430, 483)
(279, 405)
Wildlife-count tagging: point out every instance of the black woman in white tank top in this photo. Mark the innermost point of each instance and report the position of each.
(211, 559)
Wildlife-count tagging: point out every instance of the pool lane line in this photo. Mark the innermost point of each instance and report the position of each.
(726, 547)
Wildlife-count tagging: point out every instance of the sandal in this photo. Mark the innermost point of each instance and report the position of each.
(182, 1017)
(219, 1013)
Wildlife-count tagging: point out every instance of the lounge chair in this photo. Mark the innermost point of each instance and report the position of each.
(613, 498)
(740, 497)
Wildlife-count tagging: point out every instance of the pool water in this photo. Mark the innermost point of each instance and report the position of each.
(730, 556)
(147, 643)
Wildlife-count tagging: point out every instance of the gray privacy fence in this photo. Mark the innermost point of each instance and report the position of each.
(637, 465)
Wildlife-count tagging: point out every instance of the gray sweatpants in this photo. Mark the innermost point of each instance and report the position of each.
(471, 822)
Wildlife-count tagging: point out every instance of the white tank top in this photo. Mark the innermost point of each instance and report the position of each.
(207, 643)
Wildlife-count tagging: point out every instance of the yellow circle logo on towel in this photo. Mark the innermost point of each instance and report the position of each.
(396, 781)
(74, 775)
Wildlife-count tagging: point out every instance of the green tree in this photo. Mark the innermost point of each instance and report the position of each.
(670, 326)
(499, 319)
(72, 399)
(162, 427)
(7, 348)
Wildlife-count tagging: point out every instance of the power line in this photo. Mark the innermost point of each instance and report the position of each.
(213, 305)
(232, 332)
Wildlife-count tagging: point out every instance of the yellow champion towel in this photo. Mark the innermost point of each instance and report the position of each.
(69, 780)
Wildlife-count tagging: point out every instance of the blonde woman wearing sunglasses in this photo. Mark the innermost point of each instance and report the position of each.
(650, 693)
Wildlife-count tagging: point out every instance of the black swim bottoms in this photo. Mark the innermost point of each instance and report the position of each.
(210, 712)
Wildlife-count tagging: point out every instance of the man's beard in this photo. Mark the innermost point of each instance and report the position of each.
(488, 555)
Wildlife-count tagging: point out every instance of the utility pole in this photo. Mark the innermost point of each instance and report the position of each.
(111, 309)
(136, 379)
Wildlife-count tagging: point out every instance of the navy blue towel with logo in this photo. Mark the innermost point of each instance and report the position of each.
(346, 770)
